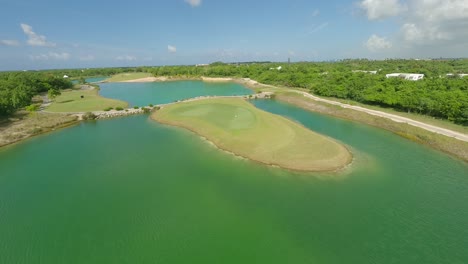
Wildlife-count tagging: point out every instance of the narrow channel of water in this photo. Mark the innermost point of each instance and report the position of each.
(130, 190)
(141, 94)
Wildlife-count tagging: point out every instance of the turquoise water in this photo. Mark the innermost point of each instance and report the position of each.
(141, 94)
(131, 190)
(96, 79)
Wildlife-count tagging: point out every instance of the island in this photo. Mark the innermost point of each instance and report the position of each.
(235, 125)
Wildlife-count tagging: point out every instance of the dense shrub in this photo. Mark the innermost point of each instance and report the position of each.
(89, 116)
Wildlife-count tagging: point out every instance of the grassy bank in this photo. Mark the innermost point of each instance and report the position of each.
(128, 76)
(446, 144)
(72, 101)
(23, 125)
(237, 126)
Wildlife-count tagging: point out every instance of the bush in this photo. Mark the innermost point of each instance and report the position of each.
(108, 109)
(118, 108)
(89, 116)
(145, 110)
(136, 107)
(150, 105)
(32, 108)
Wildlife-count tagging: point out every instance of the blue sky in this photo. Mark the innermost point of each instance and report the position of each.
(76, 34)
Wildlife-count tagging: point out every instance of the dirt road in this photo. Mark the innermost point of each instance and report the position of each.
(396, 118)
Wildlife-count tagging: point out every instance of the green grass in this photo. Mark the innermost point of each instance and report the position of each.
(71, 101)
(237, 126)
(129, 76)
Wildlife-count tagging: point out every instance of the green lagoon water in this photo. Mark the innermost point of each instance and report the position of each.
(141, 94)
(130, 190)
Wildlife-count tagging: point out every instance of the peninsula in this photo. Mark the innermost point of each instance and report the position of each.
(235, 125)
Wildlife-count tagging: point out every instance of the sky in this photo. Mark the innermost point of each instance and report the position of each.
(52, 34)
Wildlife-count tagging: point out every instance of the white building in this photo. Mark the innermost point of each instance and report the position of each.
(406, 76)
(65, 76)
(461, 75)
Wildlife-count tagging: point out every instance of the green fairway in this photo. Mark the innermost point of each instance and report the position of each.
(237, 126)
(71, 101)
(128, 76)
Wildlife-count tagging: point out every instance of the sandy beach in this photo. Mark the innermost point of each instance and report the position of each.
(147, 79)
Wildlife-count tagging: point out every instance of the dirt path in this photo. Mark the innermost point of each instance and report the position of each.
(396, 118)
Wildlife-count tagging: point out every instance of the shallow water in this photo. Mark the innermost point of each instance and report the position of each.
(141, 94)
(131, 190)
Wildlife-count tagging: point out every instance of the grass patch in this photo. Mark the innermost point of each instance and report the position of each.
(237, 126)
(128, 76)
(71, 101)
(23, 125)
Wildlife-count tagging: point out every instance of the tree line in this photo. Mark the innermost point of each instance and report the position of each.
(437, 95)
(18, 88)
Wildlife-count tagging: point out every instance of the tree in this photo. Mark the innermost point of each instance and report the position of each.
(52, 93)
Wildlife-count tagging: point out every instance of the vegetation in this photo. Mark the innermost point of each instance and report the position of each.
(118, 108)
(83, 101)
(89, 116)
(32, 107)
(128, 76)
(18, 88)
(237, 126)
(437, 95)
(446, 144)
(21, 125)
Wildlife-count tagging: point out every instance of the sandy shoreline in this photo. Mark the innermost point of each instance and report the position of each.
(245, 81)
(147, 79)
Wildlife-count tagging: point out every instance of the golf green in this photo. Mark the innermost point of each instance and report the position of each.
(237, 126)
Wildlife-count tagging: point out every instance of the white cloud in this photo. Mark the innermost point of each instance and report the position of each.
(315, 13)
(9, 42)
(318, 28)
(35, 39)
(379, 9)
(194, 3)
(51, 56)
(126, 58)
(436, 21)
(376, 43)
(171, 49)
(427, 28)
(87, 58)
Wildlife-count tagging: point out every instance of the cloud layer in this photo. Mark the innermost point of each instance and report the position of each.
(380, 9)
(171, 49)
(194, 3)
(426, 27)
(9, 42)
(35, 39)
(126, 58)
(51, 56)
(376, 43)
